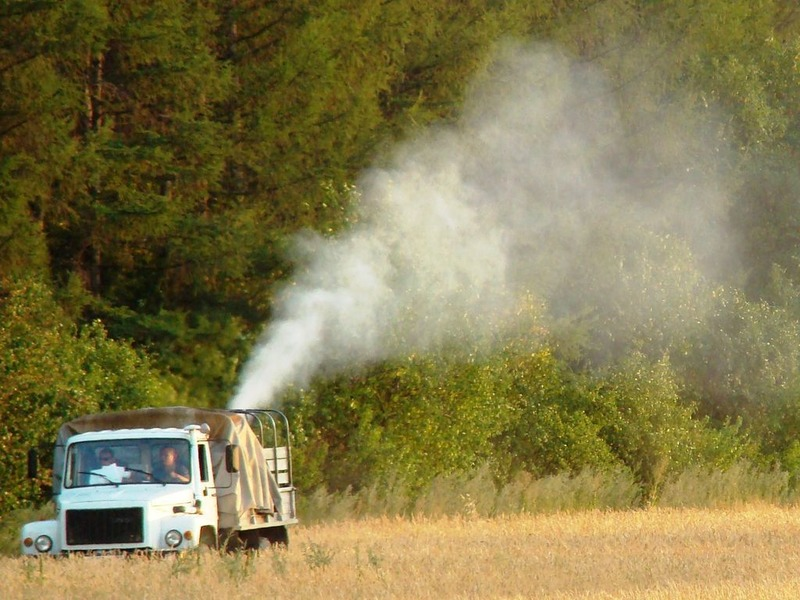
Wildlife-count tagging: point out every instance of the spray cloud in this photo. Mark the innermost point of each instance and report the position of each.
(519, 196)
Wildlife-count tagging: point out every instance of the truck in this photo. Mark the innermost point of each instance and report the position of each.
(168, 480)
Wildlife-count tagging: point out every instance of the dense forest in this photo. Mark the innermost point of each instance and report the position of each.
(586, 212)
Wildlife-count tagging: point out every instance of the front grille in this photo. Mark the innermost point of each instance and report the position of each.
(104, 526)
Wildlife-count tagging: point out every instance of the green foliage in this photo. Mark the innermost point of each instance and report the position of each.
(412, 420)
(633, 289)
(477, 494)
(648, 426)
(554, 426)
(50, 371)
(318, 556)
(586, 490)
(157, 156)
(11, 524)
(189, 343)
(751, 355)
(744, 61)
(238, 566)
(766, 216)
(521, 411)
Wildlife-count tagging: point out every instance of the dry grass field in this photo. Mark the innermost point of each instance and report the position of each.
(749, 552)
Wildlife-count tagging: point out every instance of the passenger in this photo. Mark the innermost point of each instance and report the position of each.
(170, 470)
(106, 457)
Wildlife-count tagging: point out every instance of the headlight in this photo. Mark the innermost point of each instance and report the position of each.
(173, 538)
(43, 543)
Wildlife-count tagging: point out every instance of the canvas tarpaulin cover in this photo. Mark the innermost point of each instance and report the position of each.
(253, 487)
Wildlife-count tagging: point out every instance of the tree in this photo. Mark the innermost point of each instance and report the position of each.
(50, 372)
(35, 142)
(745, 364)
(647, 425)
(410, 419)
(556, 419)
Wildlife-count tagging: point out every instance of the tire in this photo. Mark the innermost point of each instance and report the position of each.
(230, 540)
(276, 536)
(208, 538)
(254, 539)
(251, 540)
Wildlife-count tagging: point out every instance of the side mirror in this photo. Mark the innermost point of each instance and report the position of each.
(232, 458)
(33, 463)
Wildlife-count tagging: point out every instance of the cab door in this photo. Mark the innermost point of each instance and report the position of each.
(205, 475)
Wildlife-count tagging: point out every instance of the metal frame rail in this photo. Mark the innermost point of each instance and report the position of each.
(261, 419)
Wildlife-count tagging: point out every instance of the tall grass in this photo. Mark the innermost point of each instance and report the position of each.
(741, 484)
(711, 534)
(477, 494)
(677, 553)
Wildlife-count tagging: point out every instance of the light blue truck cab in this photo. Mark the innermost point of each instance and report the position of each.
(168, 479)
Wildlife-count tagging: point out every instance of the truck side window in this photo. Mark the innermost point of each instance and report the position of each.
(202, 456)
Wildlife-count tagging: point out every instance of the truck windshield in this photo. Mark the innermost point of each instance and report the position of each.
(123, 462)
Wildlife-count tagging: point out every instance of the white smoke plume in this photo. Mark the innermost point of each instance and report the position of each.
(516, 197)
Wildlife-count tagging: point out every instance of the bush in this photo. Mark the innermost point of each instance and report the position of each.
(11, 525)
(414, 420)
(648, 426)
(52, 372)
(554, 426)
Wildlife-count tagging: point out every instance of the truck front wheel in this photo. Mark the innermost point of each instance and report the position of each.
(208, 538)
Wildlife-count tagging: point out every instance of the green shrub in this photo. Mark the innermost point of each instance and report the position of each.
(11, 525)
(553, 426)
(648, 426)
(52, 371)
